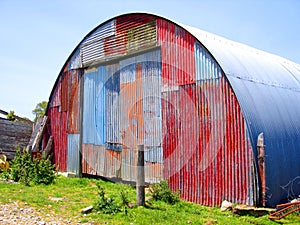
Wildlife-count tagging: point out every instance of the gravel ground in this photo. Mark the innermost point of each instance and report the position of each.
(13, 214)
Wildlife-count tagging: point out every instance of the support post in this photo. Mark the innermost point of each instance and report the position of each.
(261, 167)
(140, 179)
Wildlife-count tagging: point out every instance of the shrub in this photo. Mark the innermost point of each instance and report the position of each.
(161, 192)
(44, 172)
(104, 204)
(22, 167)
(26, 170)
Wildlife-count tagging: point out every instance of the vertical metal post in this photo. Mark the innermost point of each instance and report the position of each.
(140, 179)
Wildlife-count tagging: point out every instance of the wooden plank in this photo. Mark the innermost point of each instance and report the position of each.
(37, 134)
(49, 148)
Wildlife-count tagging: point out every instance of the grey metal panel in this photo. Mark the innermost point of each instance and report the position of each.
(151, 64)
(112, 87)
(73, 153)
(93, 46)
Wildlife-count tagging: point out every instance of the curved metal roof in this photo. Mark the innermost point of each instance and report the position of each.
(268, 90)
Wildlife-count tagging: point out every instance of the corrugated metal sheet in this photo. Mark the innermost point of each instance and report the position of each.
(204, 126)
(118, 37)
(93, 159)
(93, 46)
(94, 107)
(58, 129)
(73, 153)
(112, 87)
(178, 59)
(74, 101)
(151, 64)
(268, 91)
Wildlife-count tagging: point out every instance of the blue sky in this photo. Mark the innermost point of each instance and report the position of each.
(38, 36)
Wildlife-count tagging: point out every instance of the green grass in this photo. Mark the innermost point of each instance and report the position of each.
(80, 193)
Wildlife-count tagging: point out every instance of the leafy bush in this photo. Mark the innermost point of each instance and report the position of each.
(161, 192)
(104, 204)
(44, 171)
(26, 170)
(22, 167)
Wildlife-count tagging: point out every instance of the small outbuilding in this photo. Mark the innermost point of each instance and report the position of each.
(218, 119)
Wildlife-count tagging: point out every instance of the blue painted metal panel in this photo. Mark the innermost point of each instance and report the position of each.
(73, 153)
(101, 105)
(94, 107)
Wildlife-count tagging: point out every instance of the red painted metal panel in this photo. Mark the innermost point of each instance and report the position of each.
(170, 119)
(64, 92)
(178, 58)
(58, 129)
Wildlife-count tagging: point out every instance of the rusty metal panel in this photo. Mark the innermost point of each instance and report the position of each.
(55, 98)
(93, 159)
(112, 166)
(139, 31)
(73, 153)
(58, 129)
(153, 172)
(74, 101)
(64, 92)
(94, 107)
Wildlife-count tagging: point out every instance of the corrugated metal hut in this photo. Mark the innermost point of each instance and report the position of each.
(218, 119)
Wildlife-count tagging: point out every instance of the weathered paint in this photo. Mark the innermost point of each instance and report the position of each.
(149, 81)
(93, 46)
(93, 159)
(74, 101)
(112, 87)
(203, 125)
(94, 107)
(58, 129)
(73, 153)
(178, 58)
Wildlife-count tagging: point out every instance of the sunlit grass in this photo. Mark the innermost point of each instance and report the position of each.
(78, 193)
